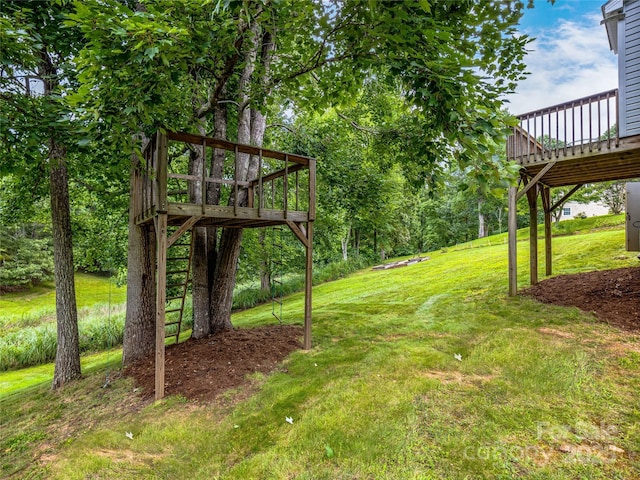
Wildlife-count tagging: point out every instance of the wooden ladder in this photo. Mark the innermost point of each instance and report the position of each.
(179, 256)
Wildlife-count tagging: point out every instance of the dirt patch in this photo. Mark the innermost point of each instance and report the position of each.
(201, 369)
(612, 295)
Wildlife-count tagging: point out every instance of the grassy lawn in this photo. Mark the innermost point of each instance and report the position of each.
(39, 303)
(428, 371)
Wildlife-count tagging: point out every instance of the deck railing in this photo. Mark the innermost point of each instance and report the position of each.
(571, 128)
(284, 182)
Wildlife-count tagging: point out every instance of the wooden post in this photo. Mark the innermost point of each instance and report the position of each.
(532, 196)
(546, 205)
(203, 176)
(161, 174)
(312, 190)
(309, 264)
(161, 295)
(308, 287)
(513, 242)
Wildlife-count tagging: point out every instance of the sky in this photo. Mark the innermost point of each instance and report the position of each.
(570, 57)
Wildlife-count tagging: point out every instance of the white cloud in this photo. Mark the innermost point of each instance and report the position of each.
(569, 61)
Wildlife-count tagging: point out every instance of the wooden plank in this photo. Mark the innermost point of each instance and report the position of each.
(182, 229)
(564, 198)
(224, 181)
(224, 212)
(534, 181)
(312, 190)
(546, 205)
(260, 189)
(298, 231)
(182, 176)
(308, 287)
(278, 174)
(230, 146)
(161, 173)
(532, 197)
(161, 294)
(512, 240)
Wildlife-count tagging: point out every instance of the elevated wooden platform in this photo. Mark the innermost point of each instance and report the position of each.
(185, 181)
(570, 144)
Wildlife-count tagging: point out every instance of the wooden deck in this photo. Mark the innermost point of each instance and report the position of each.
(570, 144)
(574, 144)
(282, 192)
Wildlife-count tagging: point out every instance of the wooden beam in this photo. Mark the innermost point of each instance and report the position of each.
(161, 295)
(298, 231)
(532, 197)
(277, 174)
(161, 173)
(565, 198)
(513, 241)
(535, 180)
(312, 190)
(308, 287)
(546, 206)
(230, 146)
(183, 228)
(222, 211)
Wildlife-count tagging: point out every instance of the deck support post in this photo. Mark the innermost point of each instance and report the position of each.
(513, 241)
(546, 206)
(532, 197)
(161, 295)
(308, 287)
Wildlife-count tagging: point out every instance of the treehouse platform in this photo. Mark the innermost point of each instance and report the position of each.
(569, 144)
(185, 181)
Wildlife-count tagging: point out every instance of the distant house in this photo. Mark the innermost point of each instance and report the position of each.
(572, 210)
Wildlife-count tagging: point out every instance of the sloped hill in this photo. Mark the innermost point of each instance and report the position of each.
(426, 371)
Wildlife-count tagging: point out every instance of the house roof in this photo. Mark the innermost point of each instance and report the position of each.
(612, 13)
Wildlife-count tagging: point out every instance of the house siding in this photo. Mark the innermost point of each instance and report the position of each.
(630, 70)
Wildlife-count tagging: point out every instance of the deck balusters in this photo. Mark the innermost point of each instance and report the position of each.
(583, 121)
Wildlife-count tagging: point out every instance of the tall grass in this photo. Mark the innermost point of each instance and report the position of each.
(36, 345)
(32, 340)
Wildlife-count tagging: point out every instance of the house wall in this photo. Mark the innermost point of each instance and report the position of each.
(629, 69)
(592, 209)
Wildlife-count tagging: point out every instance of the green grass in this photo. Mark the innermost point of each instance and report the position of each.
(381, 394)
(38, 304)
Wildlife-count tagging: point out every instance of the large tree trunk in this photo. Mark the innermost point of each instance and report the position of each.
(67, 366)
(225, 279)
(251, 127)
(200, 265)
(140, 321)
(265, 271)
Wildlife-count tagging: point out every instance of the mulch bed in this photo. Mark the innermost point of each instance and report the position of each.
(612, 295)
(200, 369)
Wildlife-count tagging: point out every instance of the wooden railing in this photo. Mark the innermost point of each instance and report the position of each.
(165, 177)
(573, 128)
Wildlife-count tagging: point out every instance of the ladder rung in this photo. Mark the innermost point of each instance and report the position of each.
(179, 297)
(168, 324)
(171, 285)
(173, 310)
(175, 259)
(173, 272)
